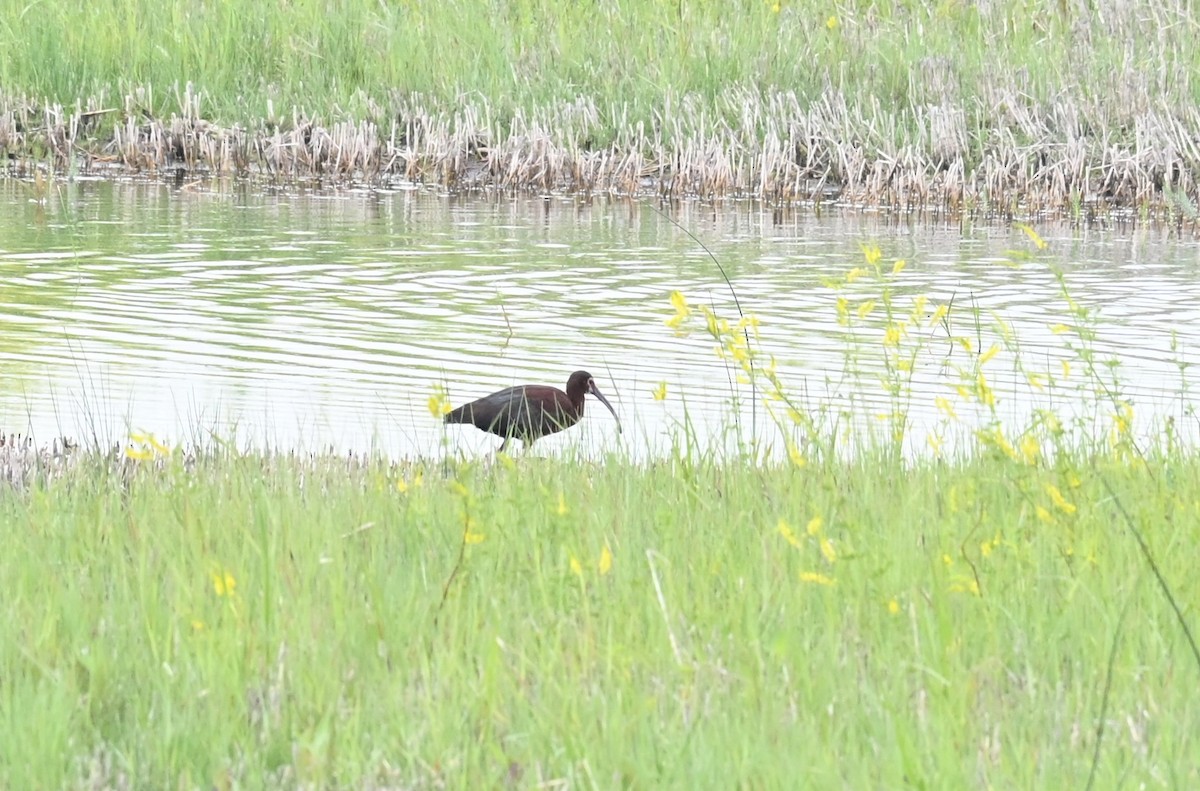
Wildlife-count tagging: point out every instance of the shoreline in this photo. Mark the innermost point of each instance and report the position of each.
(795, 159)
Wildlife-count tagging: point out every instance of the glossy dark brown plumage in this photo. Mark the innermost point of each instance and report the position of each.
(528, 412)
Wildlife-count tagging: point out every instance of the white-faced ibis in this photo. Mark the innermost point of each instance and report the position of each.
(531, 411)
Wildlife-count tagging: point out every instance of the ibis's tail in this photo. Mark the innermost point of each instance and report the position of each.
(460, 415)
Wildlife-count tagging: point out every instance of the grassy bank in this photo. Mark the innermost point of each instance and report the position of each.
(833, 614)
(997, 106)
(245, 621)
(982, 616)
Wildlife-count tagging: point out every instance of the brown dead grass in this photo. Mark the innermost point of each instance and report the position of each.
(999, 153)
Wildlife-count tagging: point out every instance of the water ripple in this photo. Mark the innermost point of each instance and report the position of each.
(319, 322)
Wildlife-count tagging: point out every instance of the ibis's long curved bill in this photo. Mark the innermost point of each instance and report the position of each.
(596, 392)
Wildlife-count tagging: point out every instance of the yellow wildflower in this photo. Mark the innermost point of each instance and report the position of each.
(986, 396)
(1123, 419)
(816, 578)
(660, 392)
(1059, 501)
(828, 551)
(814, 525)
(148, 447)
(606, 560)
(438, 403)
(918, 311)
(224, 583)
(871, 253)
(939, 313)
(415, 483)
(935, 443)
(1030, 448)
(682, 312)
(1032, 234)
(795, 455)
(786, 531)
(750, 322)
(964, 584)
(996, 438)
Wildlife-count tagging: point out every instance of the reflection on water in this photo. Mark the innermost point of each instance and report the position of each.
(322, 320)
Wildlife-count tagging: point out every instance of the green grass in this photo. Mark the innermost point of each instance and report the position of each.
(1035, 105)
(330, 56)
(837, 620)
(963, 643)
(819, 615)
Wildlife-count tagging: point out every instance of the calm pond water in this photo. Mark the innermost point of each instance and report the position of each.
(326, 319)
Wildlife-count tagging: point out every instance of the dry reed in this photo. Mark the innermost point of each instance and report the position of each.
(1015, 156)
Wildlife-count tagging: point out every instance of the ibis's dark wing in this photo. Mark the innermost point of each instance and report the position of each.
(503, 412)
(526, 412)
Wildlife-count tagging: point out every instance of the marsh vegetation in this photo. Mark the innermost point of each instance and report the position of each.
(957, 552)
(1027, 107)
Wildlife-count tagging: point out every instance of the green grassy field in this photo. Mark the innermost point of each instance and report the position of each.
(981, 615)
(255, 622)
(629, 56)
(1041, 102)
